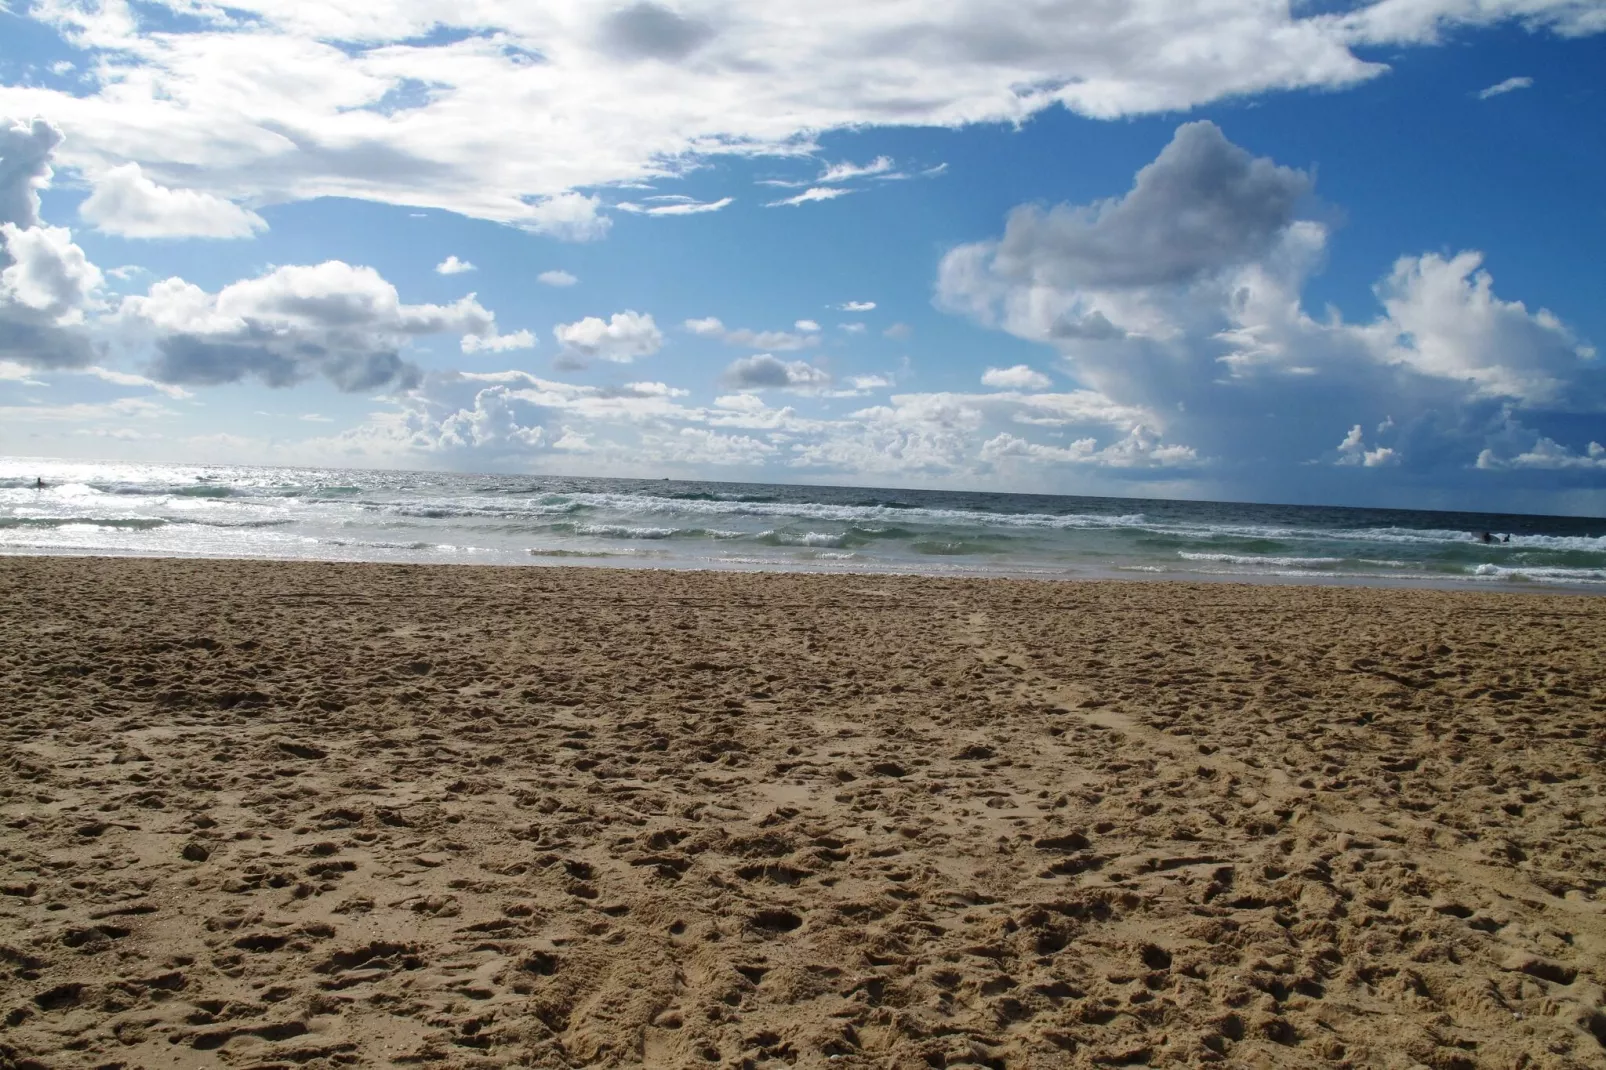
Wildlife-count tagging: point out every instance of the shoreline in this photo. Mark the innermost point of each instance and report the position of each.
(1470, 585)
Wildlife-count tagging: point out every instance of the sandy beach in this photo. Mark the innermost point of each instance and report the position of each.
(315, 815)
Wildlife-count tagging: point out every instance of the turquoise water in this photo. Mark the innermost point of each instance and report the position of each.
(353, 515)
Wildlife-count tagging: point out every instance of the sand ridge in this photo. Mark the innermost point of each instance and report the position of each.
(276, 815)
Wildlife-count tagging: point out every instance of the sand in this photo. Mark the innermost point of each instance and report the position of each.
(284, 815)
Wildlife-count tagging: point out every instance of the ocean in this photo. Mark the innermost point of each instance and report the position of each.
(331, 514)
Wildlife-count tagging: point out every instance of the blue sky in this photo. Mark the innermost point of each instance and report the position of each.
(1345, 253)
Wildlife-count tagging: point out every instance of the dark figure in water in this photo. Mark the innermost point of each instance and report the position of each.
(39, 483)
(1484, 536)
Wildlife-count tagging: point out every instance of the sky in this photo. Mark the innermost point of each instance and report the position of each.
(1310, 251)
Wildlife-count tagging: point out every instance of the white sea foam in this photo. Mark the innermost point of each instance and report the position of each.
(622, 531)
(1285, 572)
(649, 505)
(1541, 574)
(1265, 561)
(807, 538)
(1421, 536)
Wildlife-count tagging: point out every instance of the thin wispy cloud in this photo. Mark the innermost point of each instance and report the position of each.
(16, 372)
(1507, 86)
(881, 169)
(842, 172)
(121, 378)
(813, 193)
(677, 205)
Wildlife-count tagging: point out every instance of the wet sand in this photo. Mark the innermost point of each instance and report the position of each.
(288, 815)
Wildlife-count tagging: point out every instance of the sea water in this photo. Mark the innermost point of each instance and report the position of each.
(331, 514)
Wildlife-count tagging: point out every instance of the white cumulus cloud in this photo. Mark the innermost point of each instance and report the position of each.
(343, 322)
(624, 337)
(497, 343)
(1451, 324)
(47, 283)
(45, 275)
(764, 372)
(1547, 453)
(26, 150)
(713, 327)
(556, 277)
(1353, 451)
(567, 215)
(127, 203)
(453, 266)
(869, 382)
(1140, 448)
(1018, 377)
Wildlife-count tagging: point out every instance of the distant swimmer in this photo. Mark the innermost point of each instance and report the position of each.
(1484, 536)
(39, 483)
(1505, 538)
